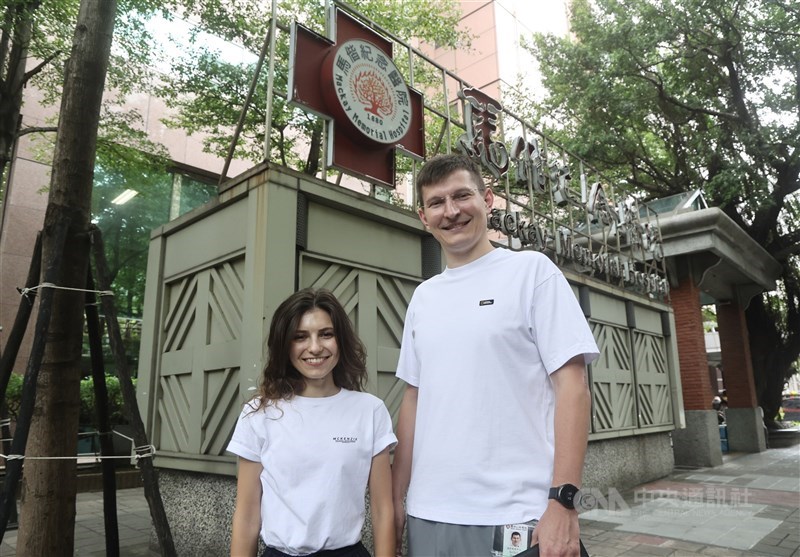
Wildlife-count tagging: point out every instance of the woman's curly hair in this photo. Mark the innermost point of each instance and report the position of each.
(280, 379)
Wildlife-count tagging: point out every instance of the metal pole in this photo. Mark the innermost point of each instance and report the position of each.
(249, 98)
(271, 79)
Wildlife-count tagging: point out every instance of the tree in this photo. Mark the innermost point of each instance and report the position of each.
(666, 97)
(47, 517)
(18, 41)
(207, 90)
(34, 44)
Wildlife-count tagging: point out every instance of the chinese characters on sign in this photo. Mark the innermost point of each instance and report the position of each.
(371, 92)
(352, 82)
(548, 177)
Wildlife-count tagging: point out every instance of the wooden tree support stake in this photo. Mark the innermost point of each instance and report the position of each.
(21, 320)
(149, 477)
(103, 421)
(52, 275)
(11, 350)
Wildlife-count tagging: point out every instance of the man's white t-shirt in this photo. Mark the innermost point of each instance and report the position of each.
(317, 455)
(480, 342)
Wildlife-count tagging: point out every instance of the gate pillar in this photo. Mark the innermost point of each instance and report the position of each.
(746, 430)
(698, 445)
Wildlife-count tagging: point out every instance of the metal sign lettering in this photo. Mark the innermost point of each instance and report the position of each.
(614, 243)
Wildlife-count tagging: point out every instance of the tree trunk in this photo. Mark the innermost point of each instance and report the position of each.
(774, 346)
(18, 24)
(47, 517)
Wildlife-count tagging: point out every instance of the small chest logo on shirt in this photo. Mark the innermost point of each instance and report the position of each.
(345, 439)
(486, 302)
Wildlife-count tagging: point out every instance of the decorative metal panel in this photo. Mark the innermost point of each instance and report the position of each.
(376, 303)
(198, 382)
(652, 379)
(613, 404)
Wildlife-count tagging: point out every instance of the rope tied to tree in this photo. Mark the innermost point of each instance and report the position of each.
(27, 292)
(143, 451)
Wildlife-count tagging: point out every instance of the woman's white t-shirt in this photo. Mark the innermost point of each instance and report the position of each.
(316, 455)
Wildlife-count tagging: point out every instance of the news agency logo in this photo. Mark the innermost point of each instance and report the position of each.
(687, 501)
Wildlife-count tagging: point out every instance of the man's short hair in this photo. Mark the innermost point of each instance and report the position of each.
(440, 167)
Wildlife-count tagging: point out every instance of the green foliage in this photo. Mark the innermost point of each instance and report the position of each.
(14, 395)
(674, 96)
(665, 97)
(709, 318)
(131, 63)
(42, 32)
(126, 228)
(88, 414)
(207, 88)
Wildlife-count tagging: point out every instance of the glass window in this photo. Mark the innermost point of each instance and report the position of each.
(128, 202)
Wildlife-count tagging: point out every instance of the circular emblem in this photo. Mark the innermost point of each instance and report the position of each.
(368, 94)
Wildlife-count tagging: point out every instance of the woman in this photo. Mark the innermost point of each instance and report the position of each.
(310, 442)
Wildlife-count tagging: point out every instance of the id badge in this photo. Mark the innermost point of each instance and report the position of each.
(512, 539)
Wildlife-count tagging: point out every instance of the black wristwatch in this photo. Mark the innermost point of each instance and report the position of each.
(566, 494)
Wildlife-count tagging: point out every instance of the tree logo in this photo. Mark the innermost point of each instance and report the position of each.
(370, 91)
(373, 93)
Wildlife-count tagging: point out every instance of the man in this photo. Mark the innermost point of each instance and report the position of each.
(515, 538)
(496, 407)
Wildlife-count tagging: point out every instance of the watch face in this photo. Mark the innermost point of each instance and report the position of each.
(566, 495)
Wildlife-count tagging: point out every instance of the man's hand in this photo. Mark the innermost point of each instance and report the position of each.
(558, 532)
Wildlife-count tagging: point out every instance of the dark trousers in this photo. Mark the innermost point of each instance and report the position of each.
(355, 550)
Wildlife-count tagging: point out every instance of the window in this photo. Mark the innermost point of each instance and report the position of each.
(128, 202)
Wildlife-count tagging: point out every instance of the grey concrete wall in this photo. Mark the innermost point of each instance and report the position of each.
(698, 445)
(626, 462)
(199, 508)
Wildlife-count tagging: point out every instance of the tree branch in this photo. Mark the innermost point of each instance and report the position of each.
(672, 100)
(791, 243)
(38, 68)
(788, 182)
(33, 129)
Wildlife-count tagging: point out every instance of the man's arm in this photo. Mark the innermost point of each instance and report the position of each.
(401, 467)
(558, 531)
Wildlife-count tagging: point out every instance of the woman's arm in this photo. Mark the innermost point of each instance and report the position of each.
(381, 506)
(247, 516)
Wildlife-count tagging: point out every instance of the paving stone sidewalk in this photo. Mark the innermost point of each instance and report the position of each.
(749, 506)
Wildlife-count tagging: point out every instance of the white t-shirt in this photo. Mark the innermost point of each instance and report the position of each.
(317, 455)
(480, 342)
